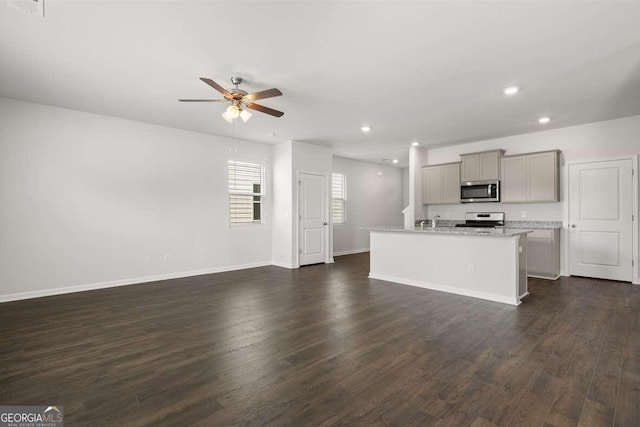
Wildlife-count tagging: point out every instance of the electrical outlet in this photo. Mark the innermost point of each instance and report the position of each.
(523, 214)
(147, 259)
(470, 269)
(167, 258)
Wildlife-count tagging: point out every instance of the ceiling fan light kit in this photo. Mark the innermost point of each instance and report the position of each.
(245, 115)
(233, 112)
(240, 100)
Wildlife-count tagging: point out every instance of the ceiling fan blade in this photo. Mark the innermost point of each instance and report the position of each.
(216, 86)
(264, 109)
(201, 100)
(269, 93)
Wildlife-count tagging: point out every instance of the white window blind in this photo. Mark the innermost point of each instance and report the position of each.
(246, 188)
(338, 198)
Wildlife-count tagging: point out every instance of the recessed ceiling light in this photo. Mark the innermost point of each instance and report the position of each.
(365, 129)
(511, 90)
(415, 143)
(395, 160)
(544, 120)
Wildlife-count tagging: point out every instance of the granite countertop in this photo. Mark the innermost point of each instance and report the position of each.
(534, 225)
(530, 225)
(490, 232)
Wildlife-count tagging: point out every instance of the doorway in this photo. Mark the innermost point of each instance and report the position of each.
(313, 230)
(601, 207)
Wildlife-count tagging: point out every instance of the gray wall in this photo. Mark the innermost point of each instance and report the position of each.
(371, 200)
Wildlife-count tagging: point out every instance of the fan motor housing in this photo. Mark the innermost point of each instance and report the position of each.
(238, 92)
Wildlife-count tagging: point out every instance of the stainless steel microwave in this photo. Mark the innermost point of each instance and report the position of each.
(480, 191)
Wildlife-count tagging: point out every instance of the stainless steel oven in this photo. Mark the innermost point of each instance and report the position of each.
(480, 191)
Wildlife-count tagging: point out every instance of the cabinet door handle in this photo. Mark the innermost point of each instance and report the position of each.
(573, 226)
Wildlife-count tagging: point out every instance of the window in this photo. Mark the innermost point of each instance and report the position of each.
(338, 198)
(246, 189)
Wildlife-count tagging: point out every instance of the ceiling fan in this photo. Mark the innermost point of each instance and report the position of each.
(239, 100)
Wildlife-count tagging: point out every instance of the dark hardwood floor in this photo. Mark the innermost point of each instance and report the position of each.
(324, 345)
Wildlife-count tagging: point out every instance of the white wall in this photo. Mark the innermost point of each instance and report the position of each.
(371, 200)
(85, 198)
(405, 187)
(417, 158)
(282, 203)
(620, 137)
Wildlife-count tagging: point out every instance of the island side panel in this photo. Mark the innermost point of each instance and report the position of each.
(522, 267)
(478, 266)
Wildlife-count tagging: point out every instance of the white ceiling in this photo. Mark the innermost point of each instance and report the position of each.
(431, 71)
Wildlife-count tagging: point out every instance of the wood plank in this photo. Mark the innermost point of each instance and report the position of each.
(627, 411)
(535, 406)
(509, 397)
(567, 409)
(604, 384)
(596, 414)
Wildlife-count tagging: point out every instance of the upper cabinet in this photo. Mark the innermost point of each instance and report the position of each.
(441, 184)
(484, 166)
(530, 177)
(514, 179)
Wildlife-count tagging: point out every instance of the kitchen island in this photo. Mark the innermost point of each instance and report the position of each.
(480, 263)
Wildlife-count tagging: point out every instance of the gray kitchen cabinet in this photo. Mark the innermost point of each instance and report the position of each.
(513, 183)
(451, 183)
(441, 184)
(431, 184)
(532, 177)
(543, 254)
(483, 166)
(543, 176)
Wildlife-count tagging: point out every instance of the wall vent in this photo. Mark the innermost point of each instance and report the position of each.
(32, 7)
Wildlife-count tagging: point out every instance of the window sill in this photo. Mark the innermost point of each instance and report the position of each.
(247, 225)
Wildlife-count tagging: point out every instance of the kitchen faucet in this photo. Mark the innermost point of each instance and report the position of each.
(434, 221)
(421, 225)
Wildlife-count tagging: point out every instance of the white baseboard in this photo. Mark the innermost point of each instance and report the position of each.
(446, 288)
(544, 277)
(351, 252)
(284, 264)
(125, 282)
(292, 266)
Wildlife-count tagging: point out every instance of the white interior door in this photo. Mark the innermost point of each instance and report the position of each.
(600, 219)
(312, 209)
